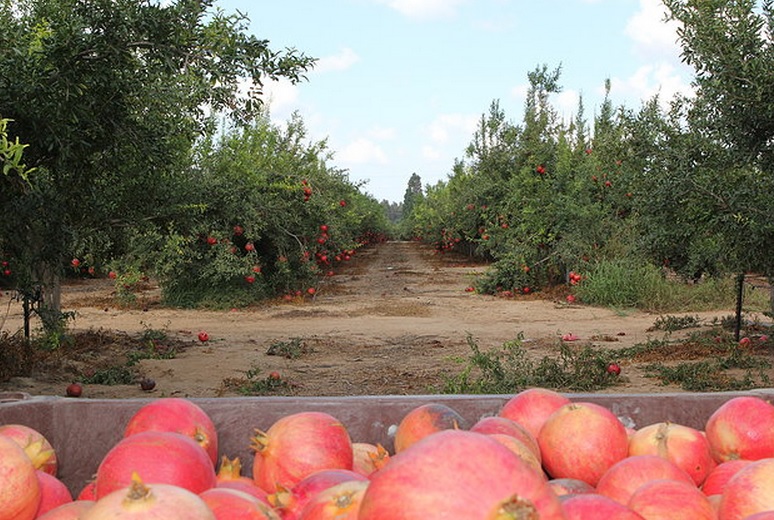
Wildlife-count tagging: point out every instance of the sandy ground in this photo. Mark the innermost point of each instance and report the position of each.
(390, 322)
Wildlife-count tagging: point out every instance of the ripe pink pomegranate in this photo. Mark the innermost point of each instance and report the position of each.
(53, 492)
(367, 457)
(686, 447)
(34, 444)
(531, 407)
(716, 481)
(424, 420)
(339, 502)
(582, 441)
(173, 414)
(520, 449)
(70, 511)
(158, 458)
(458, 474)
(230, 504)
(290, 502)
(496, 424)
(296, 446)
(749, 491)
(230, 476)
(19, 487)
(88, 492)
(624, 478)
(141, 501)
(741, 429)
(671, 500)
(589, 505)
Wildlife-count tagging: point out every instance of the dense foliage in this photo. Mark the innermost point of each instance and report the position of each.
(689, 187)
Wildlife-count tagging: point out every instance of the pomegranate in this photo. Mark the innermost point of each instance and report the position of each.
(716, 481)
(741, 428)
(173, 414)
(339, 502)
(34, 444)
(582, 441)
(686, 447)
(159, 458)
(19, 487)
(88, 492)
(367, 457)
(521, 450)
(141, 501)
(296, 446)
(626, 476)
(531, 407)
(291, 502)
(424, 420)
(70, 511)
(749, 491)
(495, 424)
(231, 504)
(230, 476)
(671, 500)
(588, 505)
(53, 492)
(458, 474)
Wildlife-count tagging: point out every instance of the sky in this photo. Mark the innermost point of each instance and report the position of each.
(400, 85)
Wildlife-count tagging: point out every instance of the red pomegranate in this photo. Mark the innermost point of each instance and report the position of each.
(291, 502)
(173, 414)
(34, 444)
(367, 457)
(230, 476)
(531, 407)
(685, 446)
(496, 424)
(458, 474)
(141, 501)
(19, 487)
(70, 511)
(339, 502)
(520, 449)
(424, 420)
(296, 446)
(716, 481)
(624, 478)
(53, 492)
(230, 504)
(673, 500)
(749, 492)
(570, 486)
(158, 458)
(741, 428)
(582, 441)
(88, 492)
(589, 505)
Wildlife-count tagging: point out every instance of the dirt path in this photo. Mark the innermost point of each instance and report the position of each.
(390, 322)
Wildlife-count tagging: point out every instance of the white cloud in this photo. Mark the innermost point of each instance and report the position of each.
(432, 153)
(649, 80)
(446, 127)
(424, 9)
(343, 60)
(381, 133)
(282, 98)
(566, 103)
(651, 33)
(361, 151)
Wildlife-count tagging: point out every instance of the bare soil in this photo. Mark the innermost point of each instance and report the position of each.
(391, 321)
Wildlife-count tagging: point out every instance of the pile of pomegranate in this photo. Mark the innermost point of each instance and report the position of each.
(542, 457)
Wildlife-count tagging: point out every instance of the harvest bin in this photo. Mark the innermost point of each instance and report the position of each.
(83, 430)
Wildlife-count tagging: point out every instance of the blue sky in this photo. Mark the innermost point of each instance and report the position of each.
(401, 84)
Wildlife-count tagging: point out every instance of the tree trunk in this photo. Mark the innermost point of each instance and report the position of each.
(50, 309)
